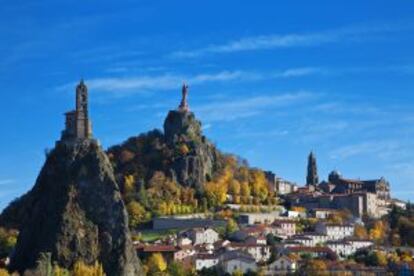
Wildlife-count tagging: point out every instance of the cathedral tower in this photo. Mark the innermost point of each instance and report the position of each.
(312, 177)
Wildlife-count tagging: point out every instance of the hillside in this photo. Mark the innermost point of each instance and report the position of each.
(174, 171)
(178, 170)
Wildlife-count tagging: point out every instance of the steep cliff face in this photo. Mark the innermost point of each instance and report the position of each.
(196, 159)
(76, 213)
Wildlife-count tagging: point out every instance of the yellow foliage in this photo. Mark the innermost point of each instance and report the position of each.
(136, 213)
(129, 184)
(4, 272)
(245, 190)
(156, 263)
(216, 193)
(81, 269)
(381, 258)
(298, 209)
(377, 232)
(184, 150)
(316, 267)
(237, 273)
(258, 184)
(360, 232)
(234, 188)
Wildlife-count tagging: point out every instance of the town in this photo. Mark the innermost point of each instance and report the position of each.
(249, 221)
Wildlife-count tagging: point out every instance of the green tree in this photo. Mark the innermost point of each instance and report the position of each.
(231, 226)
(176, 269)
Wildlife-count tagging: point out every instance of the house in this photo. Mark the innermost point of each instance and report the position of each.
(359, 243)
(284, 228)
(303, 240)
(205, 261)
(314, 252)
(322, 213)
(261, 253)
(317, 238)
(295, 214)
(341, 248)
(201, 235)
(258, 218)
(183, 241)
(279, 185)
(335, 231)
(238, 236)
(183, 252)
(236, 260)
(256, 240)
(167, 251)
(256, 230)
(282, 265)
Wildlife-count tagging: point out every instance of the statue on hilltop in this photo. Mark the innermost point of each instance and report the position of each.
(184, 104)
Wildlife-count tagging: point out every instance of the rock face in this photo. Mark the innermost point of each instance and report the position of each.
(76, 213)
(195, 167)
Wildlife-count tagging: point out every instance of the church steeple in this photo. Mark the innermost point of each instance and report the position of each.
(78, 125)
(184, 104)
(312, 176)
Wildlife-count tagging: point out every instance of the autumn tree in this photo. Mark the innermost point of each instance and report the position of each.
(129, 184)
(258, 184)
(216, 194)
(315, 267)
(360, 232)
(176, 269)
(136, 212)
(82, 269)
(8, 239)
(231, 226)
(245, 192)
(156, 263)
(378, 231)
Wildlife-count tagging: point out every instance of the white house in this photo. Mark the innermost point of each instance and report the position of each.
(335, 231)
(295, 214)
(184, 241)
(322, 213)
(282, 265)
(284, 228)
(341, 248)
(237, 261)
(183, 252)
(359, 243)
(303, 240)
(260, 252)
(317, 238)
(256, 240)
(257, 218)
(202, 235)
(205, 261)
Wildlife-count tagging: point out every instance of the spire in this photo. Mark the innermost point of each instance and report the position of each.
(312, 177)
(184, 105)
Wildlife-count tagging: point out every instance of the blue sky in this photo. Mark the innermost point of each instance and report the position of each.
(270, 80)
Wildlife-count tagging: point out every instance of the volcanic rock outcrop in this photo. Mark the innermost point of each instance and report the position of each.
(75, 211)
(197, 164)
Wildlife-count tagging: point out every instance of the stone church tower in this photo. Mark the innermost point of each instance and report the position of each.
(78, 125)
(312, 177)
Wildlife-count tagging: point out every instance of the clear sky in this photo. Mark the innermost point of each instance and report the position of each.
(270, 80)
